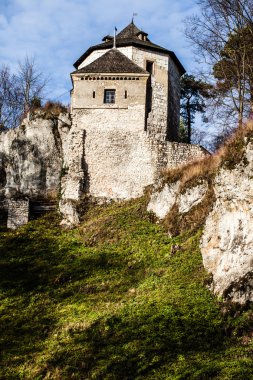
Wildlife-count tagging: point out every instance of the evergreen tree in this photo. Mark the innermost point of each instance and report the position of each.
(193, 95)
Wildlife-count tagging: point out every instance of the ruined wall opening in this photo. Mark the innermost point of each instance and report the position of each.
(150, 67)
(39, 207)
(149, 94)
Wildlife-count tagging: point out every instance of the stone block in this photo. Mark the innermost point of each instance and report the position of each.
(18, 213)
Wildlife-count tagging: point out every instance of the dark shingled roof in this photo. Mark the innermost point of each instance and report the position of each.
(130, 31)
(112, 61)
(129, 37)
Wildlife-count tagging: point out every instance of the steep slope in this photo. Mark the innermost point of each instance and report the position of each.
(114, 299)
(216, 193)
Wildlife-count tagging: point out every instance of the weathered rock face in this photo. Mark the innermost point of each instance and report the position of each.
(91, 153)
(227, 242)
(192, 197)
(31, 158)
(163, 200)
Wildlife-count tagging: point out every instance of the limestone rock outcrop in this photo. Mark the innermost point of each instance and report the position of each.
(31, 157)
(227, 241)
(163, 200)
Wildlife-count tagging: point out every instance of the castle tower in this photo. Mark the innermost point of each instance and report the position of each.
(125, 117)
(159, 67)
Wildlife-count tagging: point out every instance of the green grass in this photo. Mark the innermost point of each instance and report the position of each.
(109, 301)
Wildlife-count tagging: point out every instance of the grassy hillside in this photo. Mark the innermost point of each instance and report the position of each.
(114, 299)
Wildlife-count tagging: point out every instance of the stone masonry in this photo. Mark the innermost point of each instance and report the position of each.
(121, 133)
(18, 213)
(116, 149)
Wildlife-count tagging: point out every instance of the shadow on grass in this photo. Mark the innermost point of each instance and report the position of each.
(39, 270)
(130, 346)
(42, 268)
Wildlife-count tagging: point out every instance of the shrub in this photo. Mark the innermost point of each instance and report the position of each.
(54, 108)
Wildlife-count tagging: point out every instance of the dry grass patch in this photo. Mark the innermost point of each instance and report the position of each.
(54, 108)
(51, 110)
(191, 174)
(229, 155)
(232, 153)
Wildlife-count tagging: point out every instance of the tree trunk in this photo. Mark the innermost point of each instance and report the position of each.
(189, 127)
(251, 101)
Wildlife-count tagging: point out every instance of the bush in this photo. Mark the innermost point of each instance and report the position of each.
(54, 108)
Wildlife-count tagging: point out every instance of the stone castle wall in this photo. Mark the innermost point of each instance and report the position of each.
(163, 120)
(110, 151)
(181, 154)
(118, 157)
(18, 213)
(103, 153)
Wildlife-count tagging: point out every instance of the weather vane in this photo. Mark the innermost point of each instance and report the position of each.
(114, 39)
(134, 15)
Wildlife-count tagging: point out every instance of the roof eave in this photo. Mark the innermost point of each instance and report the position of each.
(110, 74)
(133, 43)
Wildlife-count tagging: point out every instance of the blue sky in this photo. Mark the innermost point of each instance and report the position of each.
(57, 32)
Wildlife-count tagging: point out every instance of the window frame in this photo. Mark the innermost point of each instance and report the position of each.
(109, 96)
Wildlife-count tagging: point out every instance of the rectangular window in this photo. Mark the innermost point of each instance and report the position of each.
(109, 96)
(150, 66)
(94, 94)
(125, 94)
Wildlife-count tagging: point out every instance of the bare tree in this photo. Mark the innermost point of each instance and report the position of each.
(31, 83)
(20, 92)
(9, 103)
(221, 43)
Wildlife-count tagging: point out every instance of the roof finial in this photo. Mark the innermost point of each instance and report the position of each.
(134, 14)
(114, 40)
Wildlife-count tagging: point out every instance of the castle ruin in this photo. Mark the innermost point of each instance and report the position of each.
(125, 107)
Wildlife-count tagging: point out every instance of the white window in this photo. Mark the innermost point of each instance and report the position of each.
(109, 96)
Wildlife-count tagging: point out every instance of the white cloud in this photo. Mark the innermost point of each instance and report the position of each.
(57, 32)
